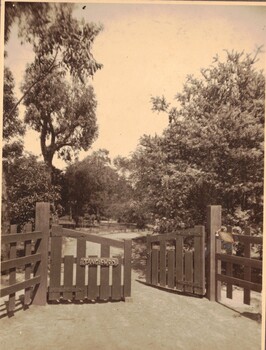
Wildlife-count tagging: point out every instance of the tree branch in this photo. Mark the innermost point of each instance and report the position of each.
(63, 144)
(40, 78)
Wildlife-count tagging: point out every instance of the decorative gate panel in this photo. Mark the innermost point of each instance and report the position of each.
(89, 277)
(176, 261)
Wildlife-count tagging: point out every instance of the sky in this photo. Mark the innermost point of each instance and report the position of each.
(148, 50)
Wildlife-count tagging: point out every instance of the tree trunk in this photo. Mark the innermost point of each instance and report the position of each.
(47, 152)
(5, 219)
(50, 173)
(5, 222)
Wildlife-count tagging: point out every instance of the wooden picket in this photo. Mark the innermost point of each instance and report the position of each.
(229, 266)
(127, 268)
(80, 271)
(179, 263)
(93, 292)
(171, 269)
(162, 263)
(116, 283)
(170, 266)
(55, 264)
(247, 269)
(104, 274)
(199, 261)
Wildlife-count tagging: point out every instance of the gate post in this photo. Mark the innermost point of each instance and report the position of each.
(148, 265)
(127, 268)
(214, 222)
(42, 223)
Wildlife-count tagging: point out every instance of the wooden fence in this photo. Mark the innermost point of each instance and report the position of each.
(33, 263)
(170, 264)
(233, 261)
(226, 267)
(177, 260)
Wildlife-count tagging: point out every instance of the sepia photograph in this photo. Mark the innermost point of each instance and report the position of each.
(132, 212)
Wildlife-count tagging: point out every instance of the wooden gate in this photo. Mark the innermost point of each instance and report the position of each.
(176, 261)
(88, 276)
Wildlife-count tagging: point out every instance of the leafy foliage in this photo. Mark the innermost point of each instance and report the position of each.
(55, 35)
(94, 186)
(212, 150)
(27, 183)
(62, 47)
(12, 126)
(64, 114)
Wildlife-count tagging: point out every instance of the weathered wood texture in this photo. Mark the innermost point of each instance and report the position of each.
(218, 266)
(20, 237)
(148, 263)
(42, 223)
(171, 269)
(103, 282)
(30, 262)
(162, 263)
(12, 289)
(229, 266)
(68, 277)
(90, 237)
(12, 271)
(214, 221)
(257, 287)
(104, 275)
(172, 235)
(93, 292)
(170, 265)
(188, 272)
(232, 260)
(127, 267)
(247, 269)
(199, 261)
(179, 263)
(27, 297)
(80, 270)
(116, 281)
(154, 267)
(20, 262)
(239, 260)
(55, 264)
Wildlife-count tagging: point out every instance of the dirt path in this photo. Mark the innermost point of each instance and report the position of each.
(155, 320)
